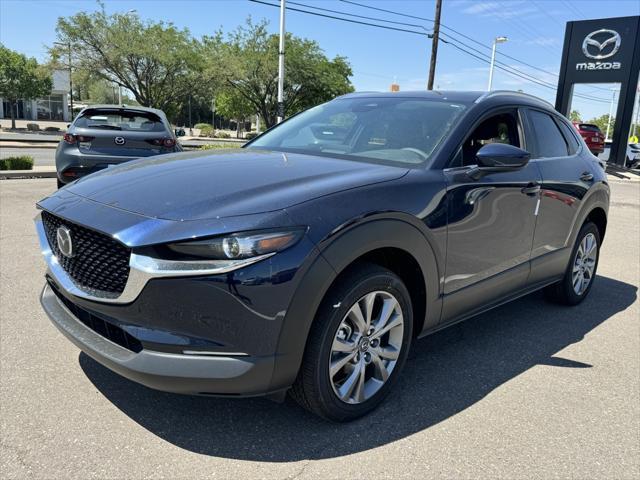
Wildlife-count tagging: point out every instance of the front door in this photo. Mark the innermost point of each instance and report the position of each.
(491, 222)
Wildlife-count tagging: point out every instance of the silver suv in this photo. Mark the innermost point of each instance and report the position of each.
(104, 135)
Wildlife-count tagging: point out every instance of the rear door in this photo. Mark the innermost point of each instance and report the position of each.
(491, 221)
(565, 181)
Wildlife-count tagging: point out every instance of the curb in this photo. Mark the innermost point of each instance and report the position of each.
(16, 174)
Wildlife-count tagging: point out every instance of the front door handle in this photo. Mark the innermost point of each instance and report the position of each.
(531, 189)
(586, 177)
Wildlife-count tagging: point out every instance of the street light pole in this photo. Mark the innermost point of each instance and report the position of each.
(68, 45)
(281, 64)
(613, 97)
(496, 41)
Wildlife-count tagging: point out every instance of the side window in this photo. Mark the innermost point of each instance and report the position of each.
(570, 137)
(502, 128)
(550, 141)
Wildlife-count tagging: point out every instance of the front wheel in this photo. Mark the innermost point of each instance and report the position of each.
(357, 346)
(581, 271)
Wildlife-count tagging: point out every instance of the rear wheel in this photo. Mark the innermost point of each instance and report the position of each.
(357, 346)
(581, 271)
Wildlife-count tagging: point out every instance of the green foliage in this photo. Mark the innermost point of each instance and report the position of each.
(602, 122)
(206, 130)
(220, 146)
(22, 162)
(248, 62)
(200, 126)
(250, 135)
(231, 104)
(222, 135)
(574, 116)
(21, 78)
(156, 61)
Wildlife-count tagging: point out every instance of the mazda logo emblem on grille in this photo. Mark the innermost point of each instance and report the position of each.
(119, 140)
(64, 241)
(609, 41)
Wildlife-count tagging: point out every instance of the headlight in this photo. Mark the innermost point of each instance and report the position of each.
(239, 245)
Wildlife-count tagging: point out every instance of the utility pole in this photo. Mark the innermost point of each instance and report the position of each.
(281, 64)
(434, 45)
(213, 112)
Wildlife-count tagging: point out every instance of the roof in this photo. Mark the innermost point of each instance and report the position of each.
(463, 96)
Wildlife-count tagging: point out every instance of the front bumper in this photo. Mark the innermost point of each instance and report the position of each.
(179, 373)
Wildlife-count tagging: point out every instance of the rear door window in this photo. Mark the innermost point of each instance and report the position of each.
(121, 120)
(548, 138)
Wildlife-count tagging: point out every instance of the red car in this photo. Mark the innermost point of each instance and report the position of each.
(592, 136)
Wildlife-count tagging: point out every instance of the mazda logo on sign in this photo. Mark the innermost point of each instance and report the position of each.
(63, 239)
(119, 140)
(606, 45)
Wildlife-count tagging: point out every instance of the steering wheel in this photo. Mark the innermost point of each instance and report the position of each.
(418, 152)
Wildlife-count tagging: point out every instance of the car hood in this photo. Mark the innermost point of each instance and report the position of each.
(205, 185)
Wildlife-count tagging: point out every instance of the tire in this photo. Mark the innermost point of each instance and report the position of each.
(564, 292)
(336, 326)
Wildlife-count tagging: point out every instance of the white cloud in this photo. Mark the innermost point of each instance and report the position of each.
(501, 11)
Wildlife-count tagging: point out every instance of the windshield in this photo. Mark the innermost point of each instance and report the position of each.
(129, 120)
(399, 130)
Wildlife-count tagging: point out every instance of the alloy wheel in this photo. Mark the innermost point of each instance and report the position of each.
(584, 264)
(366, 347)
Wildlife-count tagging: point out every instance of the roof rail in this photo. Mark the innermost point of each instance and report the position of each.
(494, 93)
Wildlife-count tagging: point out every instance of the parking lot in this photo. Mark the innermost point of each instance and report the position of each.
(529, 390)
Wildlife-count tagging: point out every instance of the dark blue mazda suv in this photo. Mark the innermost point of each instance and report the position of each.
(308, 261)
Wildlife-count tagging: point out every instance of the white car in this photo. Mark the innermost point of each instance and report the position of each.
(632, 159)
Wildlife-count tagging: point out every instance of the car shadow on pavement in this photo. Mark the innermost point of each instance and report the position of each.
(446, 373)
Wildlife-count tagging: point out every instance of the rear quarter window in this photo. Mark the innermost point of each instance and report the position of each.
(570, 138)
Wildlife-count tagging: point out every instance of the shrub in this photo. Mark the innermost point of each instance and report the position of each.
(33, 127)
(222, 135)
(216, 146)
(23, 162)
(200, 126)
(206, 131)
(250, 135)
(52, 129)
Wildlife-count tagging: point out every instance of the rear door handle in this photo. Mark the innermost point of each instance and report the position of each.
(532, 189)
(586, 177)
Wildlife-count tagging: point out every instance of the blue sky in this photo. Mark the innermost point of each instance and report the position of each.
(535, 29)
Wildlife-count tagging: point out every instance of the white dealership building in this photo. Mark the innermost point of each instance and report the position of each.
(52, 107)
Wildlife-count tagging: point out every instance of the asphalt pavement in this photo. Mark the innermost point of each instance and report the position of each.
(528, 390)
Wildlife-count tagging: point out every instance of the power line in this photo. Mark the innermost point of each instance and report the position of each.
(463, 35)
(500, 65)
(378, 19)
(343, 19)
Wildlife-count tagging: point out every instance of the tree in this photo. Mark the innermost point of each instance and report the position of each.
(602, 121)
(250, 67)
(231, 104)
(574, 116)
(21, 78)
(155, 61)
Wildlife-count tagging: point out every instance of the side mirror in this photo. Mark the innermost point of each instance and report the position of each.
(500, 157)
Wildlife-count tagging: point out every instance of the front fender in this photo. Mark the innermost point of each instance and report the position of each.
(337, 252)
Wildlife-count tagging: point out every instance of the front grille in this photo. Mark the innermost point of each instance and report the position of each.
(108, 330)
(99, 263)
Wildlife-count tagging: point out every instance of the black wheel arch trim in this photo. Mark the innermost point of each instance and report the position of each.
(335, 253)
(596, 197)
